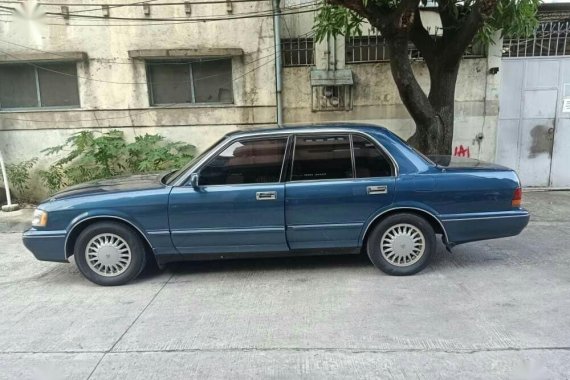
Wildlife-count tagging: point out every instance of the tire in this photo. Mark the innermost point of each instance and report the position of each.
(116, 253)
(401, 244)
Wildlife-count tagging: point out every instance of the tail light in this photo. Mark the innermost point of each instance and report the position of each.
(517, 197)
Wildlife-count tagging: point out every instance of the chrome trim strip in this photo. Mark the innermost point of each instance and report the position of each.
(316, 226)
(352, 158)
(351, 180)
(403, 208)
(226, 230)
(32, 233)
(292, 160)
(261, 134)
(485, 217)
(284, 158)
(103, 217)
(42, 236)
(245, 184)
(160, 232)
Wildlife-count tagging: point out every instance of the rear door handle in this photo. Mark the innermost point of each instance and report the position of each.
(265, 195)
(372, 190)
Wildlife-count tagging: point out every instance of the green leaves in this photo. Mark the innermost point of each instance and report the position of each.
(512, 18)
(332, 20)
(19, 175)
(93, 157)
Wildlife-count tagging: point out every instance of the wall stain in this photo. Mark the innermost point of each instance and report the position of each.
(542, 140)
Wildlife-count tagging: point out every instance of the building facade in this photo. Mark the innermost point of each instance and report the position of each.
(193, 72)
(190, 81)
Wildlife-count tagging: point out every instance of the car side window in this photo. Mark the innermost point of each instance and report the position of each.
(321, 157)
(369, 160)
(247, 161)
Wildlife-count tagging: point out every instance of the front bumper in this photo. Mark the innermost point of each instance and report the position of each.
(46, 245)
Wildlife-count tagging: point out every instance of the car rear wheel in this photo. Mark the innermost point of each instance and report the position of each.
(109, 253)
(401, 244)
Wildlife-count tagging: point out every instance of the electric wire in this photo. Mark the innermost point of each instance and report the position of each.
(168, 21)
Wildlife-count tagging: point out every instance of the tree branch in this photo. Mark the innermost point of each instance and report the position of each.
(422, 39)
(480, 11)
(413, 97)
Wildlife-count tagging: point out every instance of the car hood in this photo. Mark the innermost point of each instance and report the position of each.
(113, 185)
(453, 162)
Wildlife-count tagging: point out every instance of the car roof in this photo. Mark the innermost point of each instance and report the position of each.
(316, 128)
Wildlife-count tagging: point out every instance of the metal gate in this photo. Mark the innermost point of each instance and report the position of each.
(534, 119)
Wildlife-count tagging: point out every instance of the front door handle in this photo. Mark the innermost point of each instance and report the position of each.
(265, 195)
(372, 190)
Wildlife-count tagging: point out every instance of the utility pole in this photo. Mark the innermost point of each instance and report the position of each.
(278, 64)
(9, 206)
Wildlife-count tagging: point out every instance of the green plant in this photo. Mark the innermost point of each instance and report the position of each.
(19, 176)
(92, 157)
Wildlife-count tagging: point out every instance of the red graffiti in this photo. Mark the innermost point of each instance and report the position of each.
(461, 151)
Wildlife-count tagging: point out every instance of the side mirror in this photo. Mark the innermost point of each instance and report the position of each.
(194, 180)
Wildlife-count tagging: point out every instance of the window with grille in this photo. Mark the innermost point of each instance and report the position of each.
(38, 85)
(374, 48)
(297, 51)
(179, 82)
(332, 98)
(549, 39)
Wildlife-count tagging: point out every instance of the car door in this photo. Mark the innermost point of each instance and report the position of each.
(237, 204)
(337, 182)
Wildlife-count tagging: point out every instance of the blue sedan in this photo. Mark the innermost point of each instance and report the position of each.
(342, 188)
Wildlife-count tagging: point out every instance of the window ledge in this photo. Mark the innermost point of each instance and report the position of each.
(41, 109)
(184, 53)
(72, 56)
(341, 77)
(193, 105)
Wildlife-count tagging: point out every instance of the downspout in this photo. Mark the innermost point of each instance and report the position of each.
(278, 61)
(9, 206)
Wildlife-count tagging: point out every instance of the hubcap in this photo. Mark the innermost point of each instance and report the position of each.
(402, 245)
(108, 255)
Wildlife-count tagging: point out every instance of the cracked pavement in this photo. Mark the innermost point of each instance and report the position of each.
(492, 309)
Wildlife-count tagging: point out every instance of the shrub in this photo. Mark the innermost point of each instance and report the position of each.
(92, 157)
(19, 177)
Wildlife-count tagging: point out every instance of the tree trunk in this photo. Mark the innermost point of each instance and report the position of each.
(436, 135)
(433, 114)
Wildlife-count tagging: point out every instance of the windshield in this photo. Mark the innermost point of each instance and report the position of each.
(172, 177)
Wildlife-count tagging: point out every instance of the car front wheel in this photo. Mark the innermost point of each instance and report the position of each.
(401, 244)
(109, 254)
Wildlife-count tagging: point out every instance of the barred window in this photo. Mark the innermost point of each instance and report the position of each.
(549, 39)
(374, 48)
(298, 51)
(38, 85)
(207, 81)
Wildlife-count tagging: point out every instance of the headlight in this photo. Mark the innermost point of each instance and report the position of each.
(40, 218)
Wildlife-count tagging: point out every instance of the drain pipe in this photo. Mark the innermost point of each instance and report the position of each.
(278, 62)
(9, 206)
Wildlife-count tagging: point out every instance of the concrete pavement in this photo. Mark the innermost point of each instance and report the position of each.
(494, 309)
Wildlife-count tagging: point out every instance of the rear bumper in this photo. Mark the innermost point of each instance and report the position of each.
(466, 228)
(46, 245)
